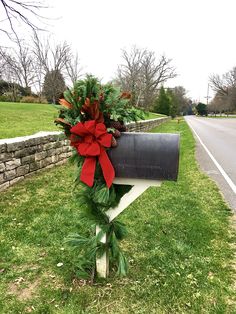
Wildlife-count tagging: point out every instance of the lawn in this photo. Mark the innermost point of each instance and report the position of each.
(152, 115)
(18, 119)
(179, 247)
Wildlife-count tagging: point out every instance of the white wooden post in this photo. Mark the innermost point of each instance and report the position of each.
(139, 186)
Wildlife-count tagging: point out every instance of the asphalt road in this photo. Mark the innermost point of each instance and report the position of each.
(216, 152)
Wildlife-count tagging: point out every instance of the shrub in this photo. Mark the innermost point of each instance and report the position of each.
(10, 97)
(33, 100)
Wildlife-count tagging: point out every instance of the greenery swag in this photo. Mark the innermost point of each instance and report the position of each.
(93, 117)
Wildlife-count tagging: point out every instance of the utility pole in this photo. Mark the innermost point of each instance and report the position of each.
(207, 97)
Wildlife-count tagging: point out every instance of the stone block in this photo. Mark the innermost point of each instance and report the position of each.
(59, 150)
(45, 139)
(62, 156)
(13, 164)
(16, 180)
(4, 186)
(22, 152)
(55, 158)
(51, 152)
(40, 156)
(22, 170)
(10, 175)
(48, 146)
(28, 159)
(6, 156)
(2, 167)
(3, 148)
(11, 147)
(26, 151)
(2, 178)
(33, 141)
(40, 147)
(45, 162)
(65, 149)
(35, 165)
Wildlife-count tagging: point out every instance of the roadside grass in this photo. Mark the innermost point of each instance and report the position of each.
(19, 119)
(179, 247)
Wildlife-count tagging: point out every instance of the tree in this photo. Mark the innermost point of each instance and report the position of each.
(154, 73)
(162, 103)
(20, 63)
(201, 109)
(225, 88)
(54, 86)
(50, 59)
(49, 56)
(19, 11)
(142, 74)
(174, 105)
(129, 73)
(73, 68)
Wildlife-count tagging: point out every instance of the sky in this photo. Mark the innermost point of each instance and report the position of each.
(198, 35)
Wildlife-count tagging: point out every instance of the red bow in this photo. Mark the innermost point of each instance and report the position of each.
(92, 142)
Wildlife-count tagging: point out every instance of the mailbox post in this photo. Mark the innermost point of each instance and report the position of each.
(140, 160)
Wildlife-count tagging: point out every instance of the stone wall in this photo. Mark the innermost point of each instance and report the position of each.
(146, 125)
(23, 156)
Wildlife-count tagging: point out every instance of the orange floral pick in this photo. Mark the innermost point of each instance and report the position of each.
(62, 121)
(93, 110)
(65, 103)
(126, 95)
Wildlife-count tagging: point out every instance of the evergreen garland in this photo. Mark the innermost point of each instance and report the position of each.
(89, 100)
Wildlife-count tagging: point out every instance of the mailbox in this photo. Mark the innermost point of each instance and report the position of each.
(153, 156)
(141, 160)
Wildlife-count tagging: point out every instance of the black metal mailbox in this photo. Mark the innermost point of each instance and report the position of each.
(152, 156)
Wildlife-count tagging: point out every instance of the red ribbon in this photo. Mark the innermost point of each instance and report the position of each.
(93, 138)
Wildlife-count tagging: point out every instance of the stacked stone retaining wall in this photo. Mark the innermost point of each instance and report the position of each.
(23, 156)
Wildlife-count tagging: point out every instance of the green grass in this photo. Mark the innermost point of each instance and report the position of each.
(18, 119)
(152, 115)
(179, 247)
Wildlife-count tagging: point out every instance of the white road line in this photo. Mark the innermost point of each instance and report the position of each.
(224, 174)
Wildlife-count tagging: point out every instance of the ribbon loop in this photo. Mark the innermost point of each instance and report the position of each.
(93, 138)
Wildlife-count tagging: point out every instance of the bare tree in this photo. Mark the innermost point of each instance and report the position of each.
(154, 73)
(21, 11)
(218, 84)
(52, 62)
(73, 68)
(142, 74)
(19, 63)
(51, 58)
(129, 73)
(225, 88)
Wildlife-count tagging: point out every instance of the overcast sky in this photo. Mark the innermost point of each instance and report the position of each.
(198, 35)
